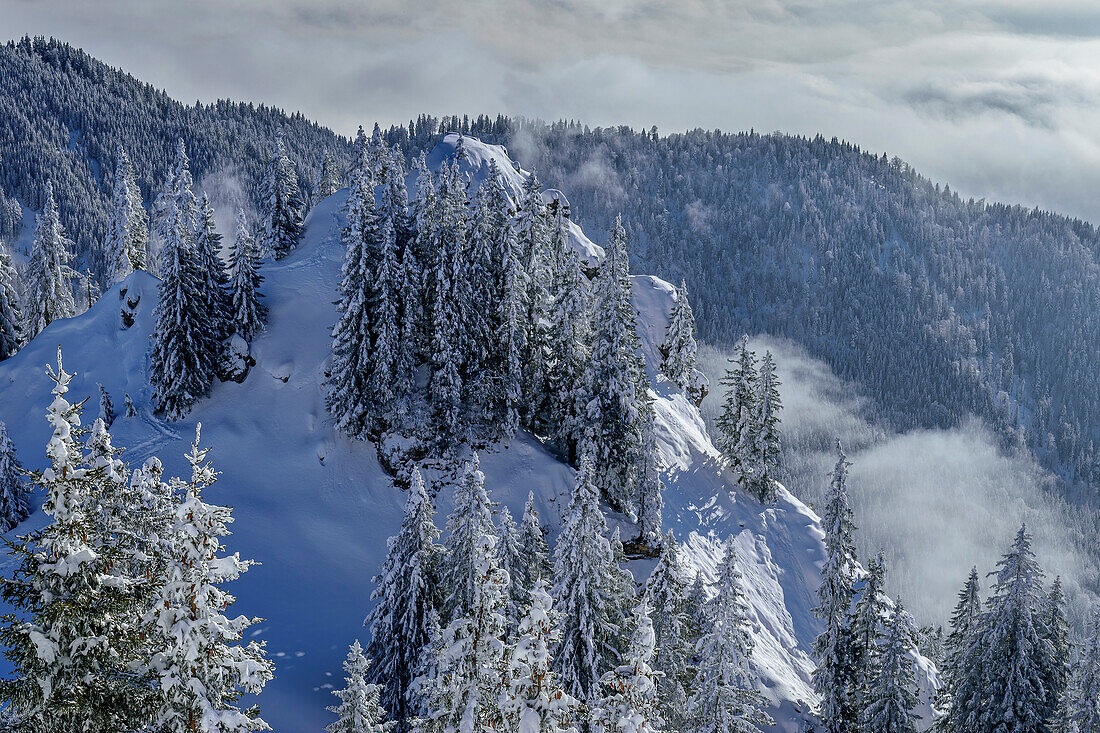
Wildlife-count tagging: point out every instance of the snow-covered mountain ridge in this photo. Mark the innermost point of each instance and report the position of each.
(316, 508)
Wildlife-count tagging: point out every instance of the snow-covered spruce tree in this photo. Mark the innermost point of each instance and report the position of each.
(385, 328)
(185, 344)
(866, 624)
(215, 280)
(533, 701)
(282, 208)
(891, 696)
(128, 405)
(567, 337)
(1058, 654)
(666, 592)
(964, 624)
(630, 705)
(510, 552)
(697, 605)
(736, 424)
(1000, 683)
(410, 289)
(508, 341)
(447, 334)
(70, 636)
(202, 667)
(246, 313)
(479, 306)
(128, 231)
(349, 394)
(406, 595)
(620, 401)
(360, 709)
(724, 698)
(177, 200)
(48, 283)
(15, 504)
(534, 564)
(328, 179)
(679, 348)
(835, 674)
(360, 158)
(11, 317)
(532, 241)
(466, 691)
(584, 589)
(1085, 706)
(651, 488)
(470, 519)
(106, 407)
(765, 451)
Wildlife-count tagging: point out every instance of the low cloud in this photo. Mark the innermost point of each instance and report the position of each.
(936, 501)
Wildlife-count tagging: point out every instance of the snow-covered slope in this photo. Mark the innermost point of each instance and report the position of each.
(316, 508)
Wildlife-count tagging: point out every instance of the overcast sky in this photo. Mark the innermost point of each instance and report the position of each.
(995, 97)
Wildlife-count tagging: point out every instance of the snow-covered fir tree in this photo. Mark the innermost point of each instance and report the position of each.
(533, 700)
(282, 209)
(666, 591)
(532, 230)
(585, 589)
(177, 201)
(630, 704)
(534, 562)
(202, 666)
(865, 626)
(471, 518)
(360, 709)
(679, 349)
(891, 696)
(69, 639)
(1084, 708)
(697, 604)
(1059, 652)
(128, 231)
(736, 423)
(48, 278)
(508, 341)
(385, 325)
(246, 312)
(328, 179)
(964, 624)
(106, 406)
(214, 278)
(651, 487)
(406, 595)
(11, 316)
(834, 676)
(724, 697)
(15, 504)
(479, 297)
(410, 291)
(510, 552)
(128, 405)
(185, 343)
(764, 452)
(349, 394)
(620, 400)
(465, 694)
(1001, 670)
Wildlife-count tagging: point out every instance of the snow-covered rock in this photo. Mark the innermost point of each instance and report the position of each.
(316, 508)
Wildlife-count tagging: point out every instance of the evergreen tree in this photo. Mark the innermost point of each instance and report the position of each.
(1085, 708)
(213, 277)
(666, 591)
(697, 605)
(620, 401)
(11, 317)
(328, 180)
(405, 596)
(176, 206)
(68, 638)
(725, 699)
(584, 588)
(410, 340)
(891, 697)
(1058, 650)
(202, 668)
(470, 519)
(106, 407)
(511, 559)
(246, 313)
(508, 340)
(385, 327)
(834, 676)
(679, 349)
(534, 701)
(185, 343)
(532, 241)
(764, 451)
(534, 563)
(282, 208)
(865, 625)
(479, 306)
(737, 423)
(651, 487)
(964, 624)
(128, 404)
(1000, 688)
(359, 710)
(128, 232)
(15, 504)
(349, 395)
(631, 703)
(49, 293)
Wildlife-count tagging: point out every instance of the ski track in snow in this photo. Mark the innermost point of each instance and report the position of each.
(316, 509)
